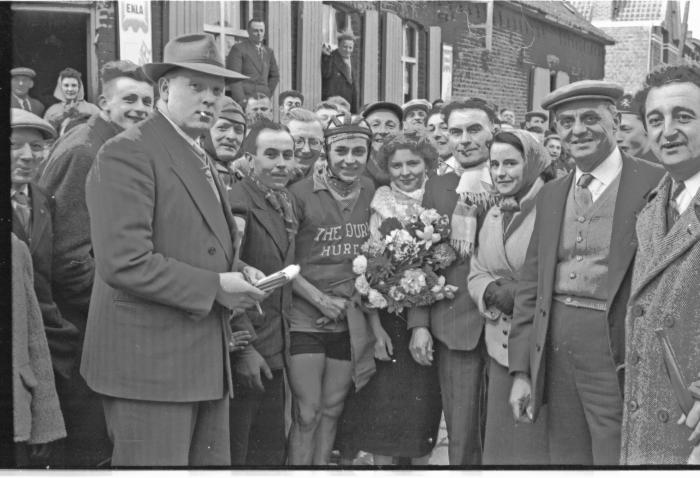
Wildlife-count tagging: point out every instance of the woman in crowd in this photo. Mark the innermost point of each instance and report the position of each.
(517, 164)
(330, 342)
(72, 108)
(559, 166)
(398, 413)
(385, 119)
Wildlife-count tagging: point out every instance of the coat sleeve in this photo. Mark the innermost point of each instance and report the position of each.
(525, 302)
(234, 61)
(273, 78)
(480, 277)
(120, 193)
(326, 66)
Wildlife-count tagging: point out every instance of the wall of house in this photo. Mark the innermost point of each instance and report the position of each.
(627, 61)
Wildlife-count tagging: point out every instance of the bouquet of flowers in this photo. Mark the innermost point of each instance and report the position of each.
(400, 268)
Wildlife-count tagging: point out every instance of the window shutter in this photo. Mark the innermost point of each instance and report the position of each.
(434, 62)
(370, 58)
(539, 87)
(393, 72)
(309, 63)
(185, 18)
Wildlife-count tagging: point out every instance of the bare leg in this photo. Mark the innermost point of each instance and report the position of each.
(305, 381)
(337, 379)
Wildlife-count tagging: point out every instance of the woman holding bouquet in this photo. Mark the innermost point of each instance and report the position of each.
(517, 166)
(329, 343)
(398, 413)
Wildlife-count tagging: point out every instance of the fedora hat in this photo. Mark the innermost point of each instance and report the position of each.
(196, 52)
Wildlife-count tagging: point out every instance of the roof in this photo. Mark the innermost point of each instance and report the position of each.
(565, 15)
(622, 11)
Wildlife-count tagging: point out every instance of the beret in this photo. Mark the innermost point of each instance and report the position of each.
(424, 105)
(383, 105)
(22, 71)
(230, 110)
(24, 119)
(583, 90)
(540, 114)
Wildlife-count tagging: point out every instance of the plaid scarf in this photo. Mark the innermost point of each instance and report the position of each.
(475, 198)
(280, 202)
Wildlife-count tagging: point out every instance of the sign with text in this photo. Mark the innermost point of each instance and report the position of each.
(446, 90)
(135, 31)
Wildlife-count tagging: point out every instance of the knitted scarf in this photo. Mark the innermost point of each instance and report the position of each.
(280, 202)
(346, 194)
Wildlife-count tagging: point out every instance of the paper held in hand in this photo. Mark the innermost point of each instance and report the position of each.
(278, 279)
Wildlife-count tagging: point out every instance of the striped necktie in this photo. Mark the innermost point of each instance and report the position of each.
(672, 213)
(582, 195)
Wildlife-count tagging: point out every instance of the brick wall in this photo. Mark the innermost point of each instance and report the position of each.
(107, 48)
(626, 62)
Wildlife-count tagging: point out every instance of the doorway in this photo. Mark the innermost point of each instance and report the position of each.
(48, 41)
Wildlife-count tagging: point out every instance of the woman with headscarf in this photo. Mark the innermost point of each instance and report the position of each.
(72, 108)
(517, 164)
(397, 415)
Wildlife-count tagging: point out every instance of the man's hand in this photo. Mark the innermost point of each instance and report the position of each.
(383, 348)
(239, 340)
(254, 275)
(520, 398)
(692, 421)
(237, 293)
(247, 366)
(421, 346)
(331, 307)
(326, 49)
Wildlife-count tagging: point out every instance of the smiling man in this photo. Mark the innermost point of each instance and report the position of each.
(567, 337)
(337, 72)
(225, 139)
(307, 132)
(632, 136)
(127, 99)
(23, 81)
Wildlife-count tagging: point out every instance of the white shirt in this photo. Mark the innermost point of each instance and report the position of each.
(603, 175)
(692, 184)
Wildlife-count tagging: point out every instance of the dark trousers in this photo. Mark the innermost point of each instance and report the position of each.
(584, 399)
(168, 433)
(257, 424)
(87, 443)
(461, 374)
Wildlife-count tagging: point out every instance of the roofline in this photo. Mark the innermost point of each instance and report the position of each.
(630, 23)
(538, 14)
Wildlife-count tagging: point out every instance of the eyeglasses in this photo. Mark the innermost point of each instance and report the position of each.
(313, 142)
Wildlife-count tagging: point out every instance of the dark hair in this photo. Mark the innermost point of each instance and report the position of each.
(420, 147)
(122, 68)
(504, 109)
(664, 75)
(254, 20)
(551, 137)
(290, 94)
(506, 137)
(250, 143)
(255, 96)
(438, 103)
(435, 110)
(470, 104)
(326, 105)
(70, 73)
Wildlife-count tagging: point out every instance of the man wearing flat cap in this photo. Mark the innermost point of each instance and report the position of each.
(22, 82)
(339, 78)
(566, 344)
(158, 331)
(632, 136)
(126, 100)
(224, 140)
(415, 113)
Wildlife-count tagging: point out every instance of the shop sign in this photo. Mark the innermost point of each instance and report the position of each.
(135, 31)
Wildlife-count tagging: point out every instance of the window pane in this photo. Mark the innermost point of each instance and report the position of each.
(409, 71)
(410, 42)
(330, 26)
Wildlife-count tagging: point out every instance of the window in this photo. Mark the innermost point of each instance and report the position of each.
(409, 62)
(233, 28)
(334, 22)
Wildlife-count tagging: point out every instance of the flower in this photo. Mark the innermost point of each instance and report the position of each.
(443, 255)
(440, 284)
(362, 285)
(429, 216)
(396, 294)
(389, 224)
(429, 236)
(377, 300)
(398, 237)
(413, 281)
(359, 265)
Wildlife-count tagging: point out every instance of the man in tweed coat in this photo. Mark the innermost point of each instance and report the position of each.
(666, 279)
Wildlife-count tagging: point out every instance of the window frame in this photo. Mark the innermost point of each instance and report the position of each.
(410, 61)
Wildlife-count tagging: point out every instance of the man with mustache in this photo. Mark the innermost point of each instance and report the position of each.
(126, 100)
(224, 140)
(566, 343)
(307, 131)
(632, 136)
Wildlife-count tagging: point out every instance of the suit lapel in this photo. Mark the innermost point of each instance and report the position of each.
(253, 52)
(188, 168)
(40, 217)
(268, 218)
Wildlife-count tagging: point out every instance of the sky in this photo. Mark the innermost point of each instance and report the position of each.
(693, 18)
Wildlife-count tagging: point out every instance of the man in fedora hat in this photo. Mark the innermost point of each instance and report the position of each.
(339, 76)
(255, 60)
(158, 331)
(22, 82)
(567, 339)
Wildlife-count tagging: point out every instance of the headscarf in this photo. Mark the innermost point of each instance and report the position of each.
(58, 91)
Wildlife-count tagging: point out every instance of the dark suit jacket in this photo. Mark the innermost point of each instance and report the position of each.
(533, 300)
(160, 240)
(36, 105)
(263, 75)
(456, 323)
(337, 81)
(265, 246)
(64, 177)
(63, 337)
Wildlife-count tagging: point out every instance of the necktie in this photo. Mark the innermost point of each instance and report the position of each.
(582, 195)
(27, 105)
(672, 213)
(23, 210)
(260, 52)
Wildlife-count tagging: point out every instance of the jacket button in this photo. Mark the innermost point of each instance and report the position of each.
(211, 251)
(581, 219)
(505, 332)
(634, 358)
(669, 322)
(637, 311)
(633, 405)
(662, 415)
(505, 346)
(538, 347)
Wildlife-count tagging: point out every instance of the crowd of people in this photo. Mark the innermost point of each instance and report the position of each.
(141, 226)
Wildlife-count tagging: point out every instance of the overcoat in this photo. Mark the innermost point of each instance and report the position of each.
(160, 240)
(665, 294)
(263, 74)
(337, 81)
(533, 300)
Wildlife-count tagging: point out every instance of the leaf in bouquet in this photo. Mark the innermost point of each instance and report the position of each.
(389, 224)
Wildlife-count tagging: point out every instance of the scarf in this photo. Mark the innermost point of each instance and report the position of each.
(280, 202)
(416, 195)
(475, 197)
(345, 194)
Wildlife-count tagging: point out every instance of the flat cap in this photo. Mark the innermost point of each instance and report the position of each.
(24, 119)
(583, 90)
(23, 71)
(232, 111)
(383, 106)
(538, 114)
(419, 104)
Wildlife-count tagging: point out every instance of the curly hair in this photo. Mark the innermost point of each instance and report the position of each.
(665, 75)
(420, 147)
